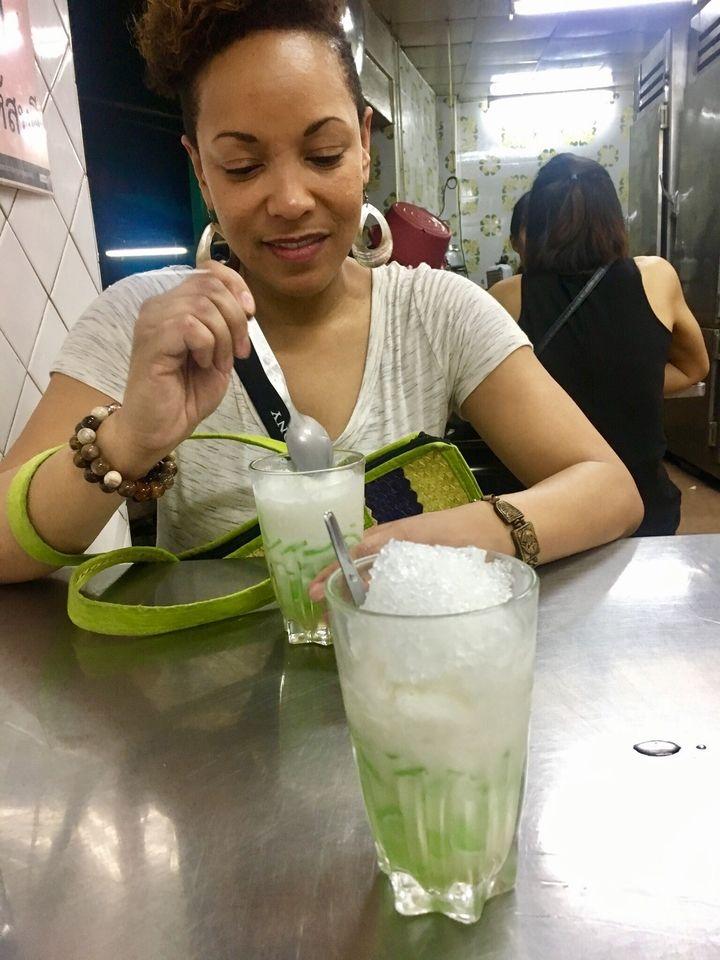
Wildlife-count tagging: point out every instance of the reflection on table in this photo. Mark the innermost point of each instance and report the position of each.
(194, 795)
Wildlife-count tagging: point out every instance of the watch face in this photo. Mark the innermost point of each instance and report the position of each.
(526, 541)
(508, 512)
(353, 22)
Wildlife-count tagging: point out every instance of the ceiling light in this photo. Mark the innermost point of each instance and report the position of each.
(11, 38)
(49, 42)
(146, 252)
(529, 8)
(550, 81)
(522, 127)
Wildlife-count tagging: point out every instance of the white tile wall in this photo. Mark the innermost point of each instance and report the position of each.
(50, 38)
(63, 10)
(23, 296)
(12, 377)
(29, 396)
(74, 287)
(7, 198)
(47, 346)
(48, 253)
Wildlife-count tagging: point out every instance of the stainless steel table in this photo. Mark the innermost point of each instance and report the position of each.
(194, 797)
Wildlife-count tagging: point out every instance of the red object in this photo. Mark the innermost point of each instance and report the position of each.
(418, 236)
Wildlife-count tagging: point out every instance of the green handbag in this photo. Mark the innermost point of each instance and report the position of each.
(411, 476)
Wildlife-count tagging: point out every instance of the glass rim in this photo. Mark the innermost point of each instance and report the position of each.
(354, 458)
(332, 594)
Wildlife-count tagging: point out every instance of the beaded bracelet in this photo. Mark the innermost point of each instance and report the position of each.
(96, 469)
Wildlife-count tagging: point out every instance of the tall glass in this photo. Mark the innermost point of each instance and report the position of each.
(438, 709)
(290, 506)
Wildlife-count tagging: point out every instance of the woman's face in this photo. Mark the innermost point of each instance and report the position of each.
(281, 158)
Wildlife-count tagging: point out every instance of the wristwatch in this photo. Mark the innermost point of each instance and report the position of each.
(522, 531)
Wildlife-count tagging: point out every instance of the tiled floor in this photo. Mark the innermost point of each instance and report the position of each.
(700, 502)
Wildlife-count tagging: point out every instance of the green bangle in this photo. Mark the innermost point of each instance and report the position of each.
(19, 521)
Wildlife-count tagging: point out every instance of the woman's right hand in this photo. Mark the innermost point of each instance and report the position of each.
(182, 357)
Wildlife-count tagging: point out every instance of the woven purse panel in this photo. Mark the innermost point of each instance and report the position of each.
(423, 486)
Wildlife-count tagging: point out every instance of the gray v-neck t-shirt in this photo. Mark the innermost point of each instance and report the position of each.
(434, 337)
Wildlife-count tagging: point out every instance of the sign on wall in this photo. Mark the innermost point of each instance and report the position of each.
(23, 141)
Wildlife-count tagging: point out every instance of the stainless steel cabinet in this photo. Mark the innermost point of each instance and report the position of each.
(659, 89)
(675, 202)
(692, 425)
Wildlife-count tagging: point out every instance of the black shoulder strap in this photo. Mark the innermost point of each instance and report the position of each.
(270, 406)
(570, 310)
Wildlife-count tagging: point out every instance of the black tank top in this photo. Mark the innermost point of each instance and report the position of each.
(610, 357)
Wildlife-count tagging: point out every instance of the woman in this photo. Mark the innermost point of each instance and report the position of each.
(631, 341)
(282, 157)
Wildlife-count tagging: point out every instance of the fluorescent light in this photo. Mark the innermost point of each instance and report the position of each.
(11, 38)
(522, 127)
(529, 8)
(146, 252)
(49, 42)
(550, 81)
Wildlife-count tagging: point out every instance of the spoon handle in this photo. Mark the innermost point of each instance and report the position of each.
(270, 364)
(352, 578)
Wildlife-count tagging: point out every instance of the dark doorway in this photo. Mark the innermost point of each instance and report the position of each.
(139, 174)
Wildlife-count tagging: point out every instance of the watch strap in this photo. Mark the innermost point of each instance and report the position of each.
(522, 530)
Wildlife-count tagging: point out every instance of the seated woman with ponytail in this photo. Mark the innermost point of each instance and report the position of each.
(613, 331)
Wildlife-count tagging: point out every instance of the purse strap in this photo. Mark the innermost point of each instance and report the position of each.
(270, 406)
(100, 616)
(264, 382)
(250, 439)
(118, 619)
(570, 310)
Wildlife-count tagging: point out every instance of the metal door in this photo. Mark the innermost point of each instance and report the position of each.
(692, 425)
(659, 91)
(697, 242)
(648, 151)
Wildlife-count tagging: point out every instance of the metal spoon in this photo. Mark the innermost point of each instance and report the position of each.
(308, 443)
(352, 578)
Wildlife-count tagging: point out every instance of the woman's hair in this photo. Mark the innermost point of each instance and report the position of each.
(178, 38)
(519, 216)
(574, 222)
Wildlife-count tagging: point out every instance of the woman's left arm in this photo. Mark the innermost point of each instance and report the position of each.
(579, 495)
(688, 360)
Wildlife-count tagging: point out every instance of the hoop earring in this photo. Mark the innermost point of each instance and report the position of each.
(366, 255)
(211, 231)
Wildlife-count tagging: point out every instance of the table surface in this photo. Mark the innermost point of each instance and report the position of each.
(194, 797)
